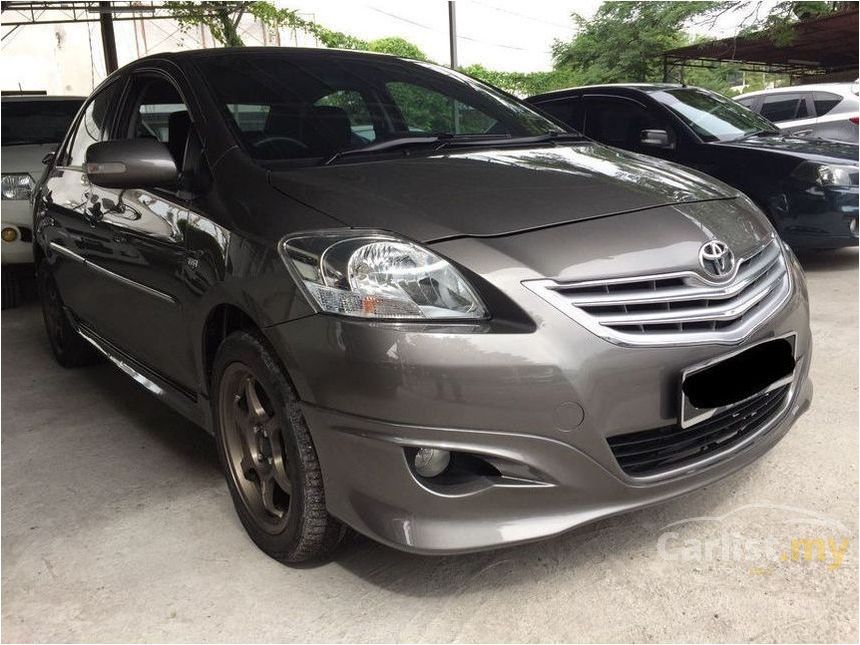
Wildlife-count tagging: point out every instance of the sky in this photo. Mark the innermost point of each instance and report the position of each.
(502, 34)
(508, 35)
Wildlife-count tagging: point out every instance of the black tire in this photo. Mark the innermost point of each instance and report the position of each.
(11, 288)
(291, 527)
(68, 347)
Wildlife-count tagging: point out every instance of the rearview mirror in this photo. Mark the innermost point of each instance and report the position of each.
(656, 138)
(131, 163)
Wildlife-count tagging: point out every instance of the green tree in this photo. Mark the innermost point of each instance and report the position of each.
(524, 84)
(396, 46)
(624, 40)
(222, 20)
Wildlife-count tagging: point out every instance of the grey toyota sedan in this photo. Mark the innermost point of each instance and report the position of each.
(405, 302)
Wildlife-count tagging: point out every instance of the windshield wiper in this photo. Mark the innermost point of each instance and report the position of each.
(761, 133)
(389, 144)
(447, 140)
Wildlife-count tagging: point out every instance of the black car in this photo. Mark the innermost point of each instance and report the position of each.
(808, 188)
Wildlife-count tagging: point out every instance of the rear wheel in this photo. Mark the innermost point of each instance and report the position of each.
(69, 348)
(267, 454)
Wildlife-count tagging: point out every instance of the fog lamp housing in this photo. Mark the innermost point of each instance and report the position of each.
(9, 234)
(430, 462)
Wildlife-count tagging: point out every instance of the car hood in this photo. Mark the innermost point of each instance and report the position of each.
(494, 192)
(26, 158)
(818, 150)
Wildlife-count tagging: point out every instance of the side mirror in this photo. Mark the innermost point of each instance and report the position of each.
(656, 138)
(131, 163)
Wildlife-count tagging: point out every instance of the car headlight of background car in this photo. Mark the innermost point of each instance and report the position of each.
(17, 186)
(377, 275)
(825, 175)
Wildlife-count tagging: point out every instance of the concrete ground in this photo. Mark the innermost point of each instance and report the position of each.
(117, 526)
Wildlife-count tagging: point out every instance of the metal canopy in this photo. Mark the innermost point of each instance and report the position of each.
(17, 14)
(14, 15)
(819, 46)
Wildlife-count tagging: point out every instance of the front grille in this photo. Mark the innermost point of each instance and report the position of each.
(650, 452)
(680, 307)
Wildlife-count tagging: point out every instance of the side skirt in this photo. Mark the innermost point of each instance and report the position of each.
(194, 408)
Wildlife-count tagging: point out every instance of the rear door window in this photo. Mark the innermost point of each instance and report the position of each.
(824, 102)
(784, 107)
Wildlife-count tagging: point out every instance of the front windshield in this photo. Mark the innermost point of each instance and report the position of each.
(37, 121)
(304, 108)
(713, 117)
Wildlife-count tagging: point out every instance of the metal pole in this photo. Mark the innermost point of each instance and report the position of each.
(452, 29)
(108, 38)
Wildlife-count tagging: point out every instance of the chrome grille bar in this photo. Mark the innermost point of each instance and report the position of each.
(676, 308)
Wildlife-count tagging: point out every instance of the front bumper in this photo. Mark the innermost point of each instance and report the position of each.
(370, 390)
(15, 213)
(819, 218)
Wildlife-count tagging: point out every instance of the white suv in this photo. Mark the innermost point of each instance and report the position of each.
(825, 110)
(33, 125)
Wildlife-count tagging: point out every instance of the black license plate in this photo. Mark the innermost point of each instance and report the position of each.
(710, 388)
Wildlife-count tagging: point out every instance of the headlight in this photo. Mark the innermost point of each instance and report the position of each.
(376, 275)
(826, 174)
(17, 186)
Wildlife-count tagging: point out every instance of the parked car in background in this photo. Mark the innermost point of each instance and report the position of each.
(32, 126)
(807, 187)
(406, 302)
(825, 110)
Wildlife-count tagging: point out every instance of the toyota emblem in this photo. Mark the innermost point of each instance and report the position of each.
(716, 258)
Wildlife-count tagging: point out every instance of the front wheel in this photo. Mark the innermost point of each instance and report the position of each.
(268, 458)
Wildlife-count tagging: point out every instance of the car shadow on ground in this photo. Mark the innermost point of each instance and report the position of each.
(828, 261)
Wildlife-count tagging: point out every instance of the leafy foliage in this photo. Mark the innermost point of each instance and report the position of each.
(524, 84)
(222, 19)
(396, 47)
(623, 40)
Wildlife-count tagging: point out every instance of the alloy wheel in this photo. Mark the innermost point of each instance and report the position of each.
(254, 448)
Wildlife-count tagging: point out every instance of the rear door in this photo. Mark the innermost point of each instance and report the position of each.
(792, 111)
(836, 116)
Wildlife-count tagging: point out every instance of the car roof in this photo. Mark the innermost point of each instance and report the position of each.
(285, 52)
(645, 88)
(841, 88)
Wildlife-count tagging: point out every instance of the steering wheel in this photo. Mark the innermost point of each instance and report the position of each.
(275, 142)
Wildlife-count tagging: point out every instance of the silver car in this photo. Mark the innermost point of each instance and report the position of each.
(823, 110)
(33, 126)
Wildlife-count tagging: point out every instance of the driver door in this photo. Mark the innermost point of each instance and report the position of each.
(139, 273)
